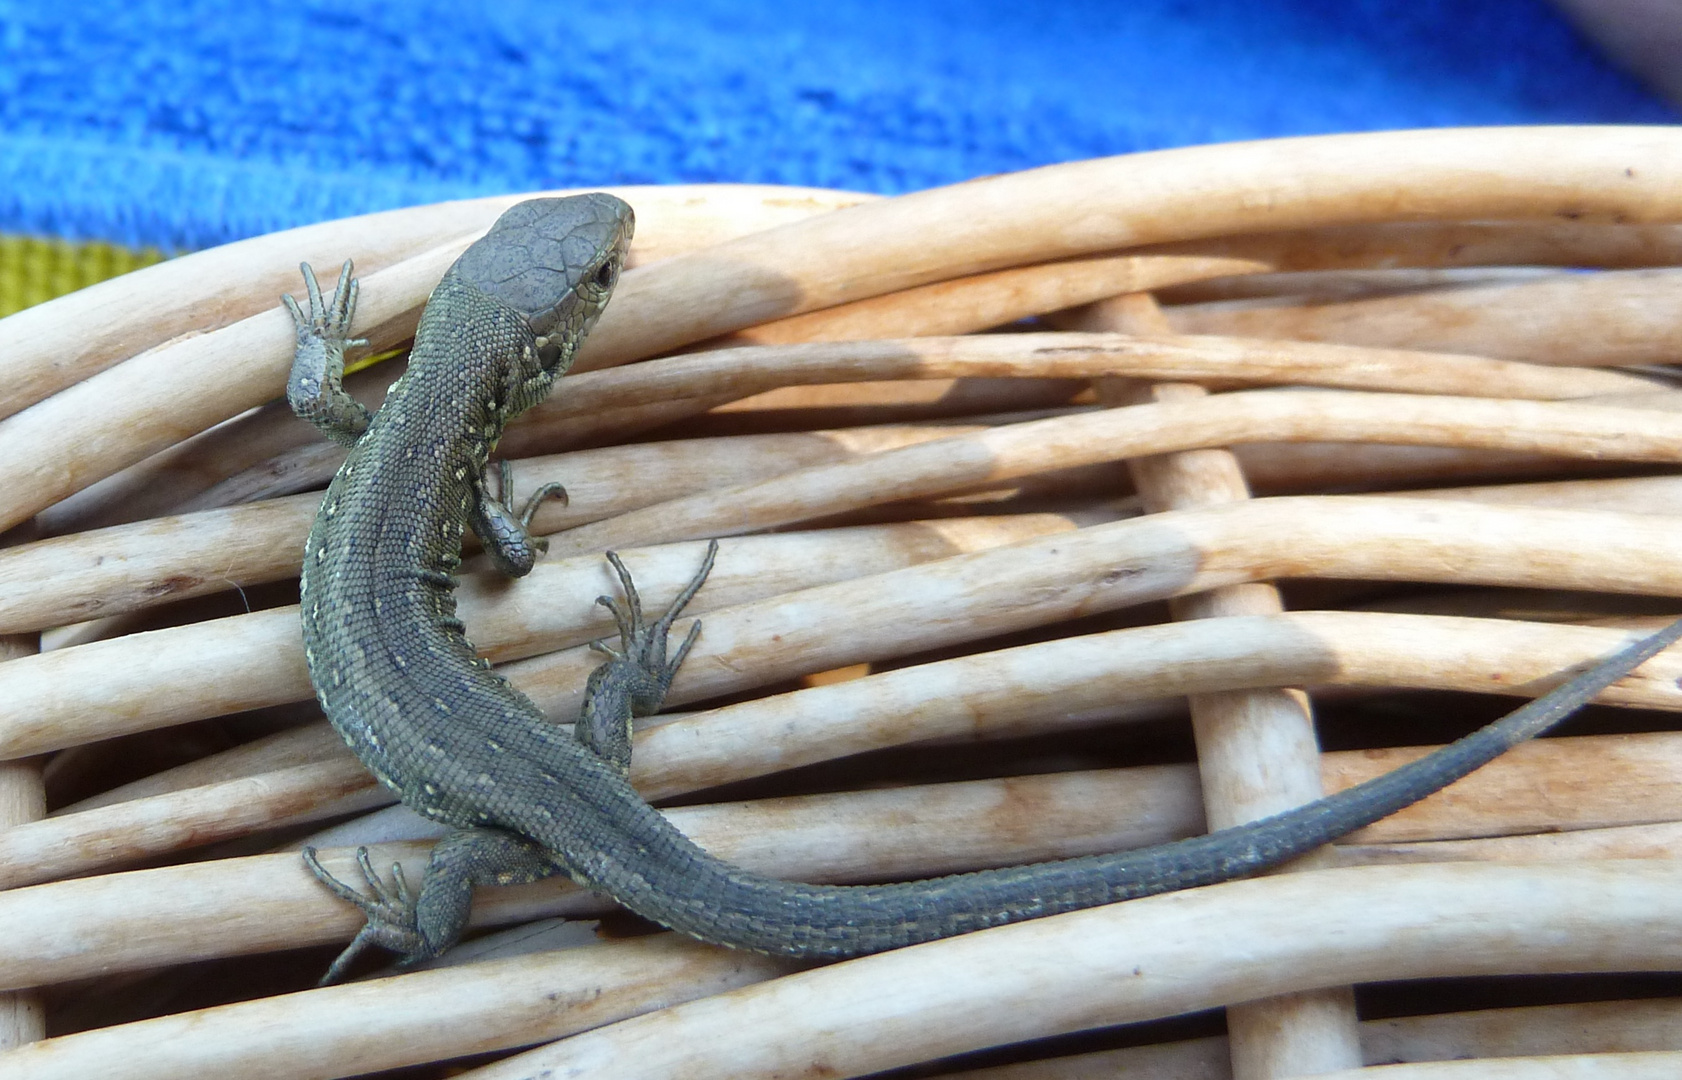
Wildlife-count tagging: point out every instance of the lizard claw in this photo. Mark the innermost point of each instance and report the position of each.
(328, 323)
(390, 911)
(551, 490)
(644, 646)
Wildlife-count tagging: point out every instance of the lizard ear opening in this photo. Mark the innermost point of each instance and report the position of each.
(548, 353)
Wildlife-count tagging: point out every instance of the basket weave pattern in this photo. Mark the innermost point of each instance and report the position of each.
(1018, 481)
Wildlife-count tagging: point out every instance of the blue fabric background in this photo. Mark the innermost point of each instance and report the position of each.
(185, 124)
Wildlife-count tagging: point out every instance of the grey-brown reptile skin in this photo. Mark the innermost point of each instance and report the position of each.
(403, 686)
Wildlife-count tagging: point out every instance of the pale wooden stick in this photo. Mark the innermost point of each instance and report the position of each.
(906, 832)
(1637, 1065)
(324, 1030)
(555, 604)
(1272, 468)
(979, 398)
(865, 251)
(56, 344)
(1298, 468)
(1629, 495)
(675, 219)
(268, 452)
(1539, 787)
(1000, 297)
(1256, 750)
(1615, 317)
(1651, 840)
(124, 413)
(982, 301)
(1043, 687)
(194, 473)
(616, 479)
(1590, 1027)
(1046, 686)
(885, 839)
(313, 463)
(1593, 1027)
(1022, 218)
(125, 832)
(1449, 243)
(106, 688)
(971, 398)
(247, 661)
(23, 800)
(140, 919)
(1327, 286)
(1016, 450)
(1149, 958)
(969, 597)
(851, 406)
(327, 1032)
(306, 744)
(60, 581)
(896, 834)
(123, 568)
(69, 579)
(737, 373)
(1519, 808)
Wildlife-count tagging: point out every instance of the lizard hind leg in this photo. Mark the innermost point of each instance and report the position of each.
(637, 675)
(422, 927)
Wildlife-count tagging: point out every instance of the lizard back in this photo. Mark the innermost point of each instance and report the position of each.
(403, 686)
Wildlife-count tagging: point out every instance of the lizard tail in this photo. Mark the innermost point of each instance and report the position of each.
(726, 905)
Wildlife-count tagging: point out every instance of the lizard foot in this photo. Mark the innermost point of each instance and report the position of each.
(326, 323)
(642, 645)
(635, 679)
(551, 490)
(390, 911)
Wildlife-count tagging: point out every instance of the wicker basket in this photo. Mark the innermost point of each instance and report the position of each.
(1010, 472)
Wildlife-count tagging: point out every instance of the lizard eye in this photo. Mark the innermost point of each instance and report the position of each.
(606, 275)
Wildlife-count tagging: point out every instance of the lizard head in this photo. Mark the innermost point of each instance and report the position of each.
(554, 262)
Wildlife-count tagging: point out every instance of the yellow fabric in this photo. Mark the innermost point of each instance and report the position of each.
(34, 269)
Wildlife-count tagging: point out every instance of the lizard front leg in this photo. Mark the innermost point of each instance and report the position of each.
(315, 389)
(506, 535)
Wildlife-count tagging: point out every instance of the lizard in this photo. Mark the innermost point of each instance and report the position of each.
(398, 679)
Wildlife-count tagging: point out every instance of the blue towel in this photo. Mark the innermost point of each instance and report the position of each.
(186, 123)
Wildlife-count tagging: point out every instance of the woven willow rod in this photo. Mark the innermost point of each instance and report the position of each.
(207, 669)
(1023, 690)
(868, 250)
